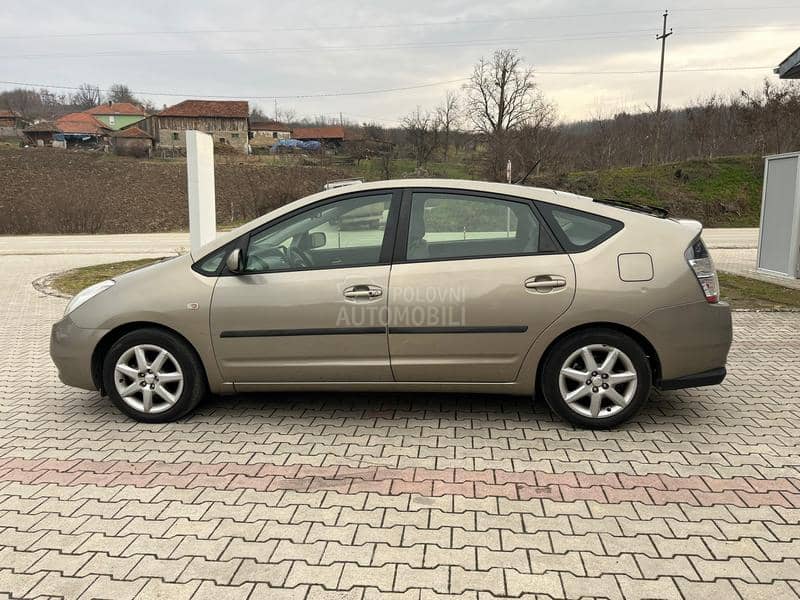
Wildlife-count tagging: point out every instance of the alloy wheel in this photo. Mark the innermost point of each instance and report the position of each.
(148, 378)
(597, 381)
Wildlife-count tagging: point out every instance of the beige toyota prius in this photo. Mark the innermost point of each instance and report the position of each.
(416, 285)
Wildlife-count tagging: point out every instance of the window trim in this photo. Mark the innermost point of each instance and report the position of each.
(243, 241)
(401, 242)
(546, 208)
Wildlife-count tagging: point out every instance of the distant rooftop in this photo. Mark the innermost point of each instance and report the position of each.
(116, 108)
(131, 132)
(269, 126)
(334, 132)
(80, 123)
(237, 109)
(43, 127)
(790, 67)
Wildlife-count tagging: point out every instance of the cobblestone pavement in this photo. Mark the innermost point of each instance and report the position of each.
(395, 496)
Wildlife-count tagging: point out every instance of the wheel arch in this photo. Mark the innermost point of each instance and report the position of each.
(105, 343)
(647, 346)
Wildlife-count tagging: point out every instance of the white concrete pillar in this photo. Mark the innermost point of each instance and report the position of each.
(200, 185)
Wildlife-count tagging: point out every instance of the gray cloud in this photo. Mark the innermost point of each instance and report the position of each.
(276, 48)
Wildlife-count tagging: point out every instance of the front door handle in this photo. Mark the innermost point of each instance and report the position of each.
(545, 282)
(363, 291)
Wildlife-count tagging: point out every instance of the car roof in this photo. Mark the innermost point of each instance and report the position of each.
(507, 189)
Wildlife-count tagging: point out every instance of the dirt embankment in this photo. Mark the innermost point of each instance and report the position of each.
(45, 190)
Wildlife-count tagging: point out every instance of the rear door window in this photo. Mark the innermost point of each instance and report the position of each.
(445, 225)
(577, 230)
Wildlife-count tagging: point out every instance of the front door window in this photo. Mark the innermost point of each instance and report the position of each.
(345, 233)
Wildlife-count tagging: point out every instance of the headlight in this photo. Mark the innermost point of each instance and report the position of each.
(88, 293)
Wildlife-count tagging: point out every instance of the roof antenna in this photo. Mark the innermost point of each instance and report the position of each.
(524, 177)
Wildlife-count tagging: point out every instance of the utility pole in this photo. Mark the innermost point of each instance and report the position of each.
(663, 37)
(276, 109)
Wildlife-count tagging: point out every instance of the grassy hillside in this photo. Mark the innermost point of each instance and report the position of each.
(371, 169)
(724, 192)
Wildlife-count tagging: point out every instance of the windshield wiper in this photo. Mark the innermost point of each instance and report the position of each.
(645, 208)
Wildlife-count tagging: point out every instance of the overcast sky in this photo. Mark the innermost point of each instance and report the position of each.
(267, 48)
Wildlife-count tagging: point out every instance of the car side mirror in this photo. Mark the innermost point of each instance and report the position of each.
(234, 261)
(318, 239)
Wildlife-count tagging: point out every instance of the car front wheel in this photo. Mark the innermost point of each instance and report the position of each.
(596, 378)
(153, 376)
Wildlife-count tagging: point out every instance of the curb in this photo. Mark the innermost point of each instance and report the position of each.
(44, 285)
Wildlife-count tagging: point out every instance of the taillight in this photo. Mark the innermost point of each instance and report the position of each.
(698, 258)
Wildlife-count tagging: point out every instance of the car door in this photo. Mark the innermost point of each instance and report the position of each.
(309, 304)
(476, 278)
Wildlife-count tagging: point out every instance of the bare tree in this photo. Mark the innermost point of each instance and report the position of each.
(52, 104)
(119, 92)
(422, 134)
(286, 115)
(449, 115)
(86, 96)
(768, 113)
(26, 103)
(501, 97)
(257, 114)
(536, 142)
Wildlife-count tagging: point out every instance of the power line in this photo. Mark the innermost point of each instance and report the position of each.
(649, 71)
(393, 89)
(611, 35)
(601, 35)
(253, 97)
(323, 49)
(319, 28)
(384, 25)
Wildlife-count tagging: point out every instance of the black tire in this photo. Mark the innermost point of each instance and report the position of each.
(194, 387)
(565, 348)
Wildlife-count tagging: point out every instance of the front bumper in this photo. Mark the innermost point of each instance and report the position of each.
(71, 349)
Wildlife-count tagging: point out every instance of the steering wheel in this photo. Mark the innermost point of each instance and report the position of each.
(298, 259)
(257, 263)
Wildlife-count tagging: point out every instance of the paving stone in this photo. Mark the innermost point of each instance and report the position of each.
(381, 578)
(302, 573)
(462, 580)
(663, 588)
(106, 588)
(406, 497)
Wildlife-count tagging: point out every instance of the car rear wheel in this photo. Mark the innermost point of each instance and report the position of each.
(596, 378)
(153, 376)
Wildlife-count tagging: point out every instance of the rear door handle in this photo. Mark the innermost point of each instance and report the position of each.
(545, 282)
(363, 291)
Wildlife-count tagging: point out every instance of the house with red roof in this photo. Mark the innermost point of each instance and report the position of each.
(11, 123)
(117, 115)
(41, 133)
(268, 132)
(331, 136)
(132, 141)
(227, 121)
(81, 129)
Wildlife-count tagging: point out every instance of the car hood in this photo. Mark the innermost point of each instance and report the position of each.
(151, 268)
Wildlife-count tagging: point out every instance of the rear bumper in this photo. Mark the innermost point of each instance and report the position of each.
(710, 377)
(691, 340)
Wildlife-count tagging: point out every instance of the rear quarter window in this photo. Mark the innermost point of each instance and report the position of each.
(577, 230)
